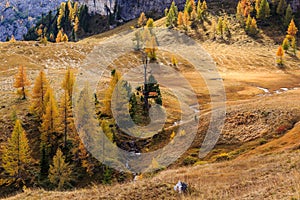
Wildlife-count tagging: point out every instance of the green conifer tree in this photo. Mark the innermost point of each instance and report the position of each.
(264, 10)
(281, 7)
(286, 44)
(288, 16)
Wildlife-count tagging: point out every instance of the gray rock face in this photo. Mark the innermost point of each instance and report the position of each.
(295, 5)
(130, 9)
(17, 16)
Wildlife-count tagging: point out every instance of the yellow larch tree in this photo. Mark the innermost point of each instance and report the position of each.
(68, 82)
(16, 157)
(38, 95)
(66, 117)
(12, 39)
(59, 36)
(21, 82)
(50, 127)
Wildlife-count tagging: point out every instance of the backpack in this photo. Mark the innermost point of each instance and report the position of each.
(184, 187)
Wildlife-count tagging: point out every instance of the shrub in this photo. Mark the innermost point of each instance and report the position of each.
(222, 157)
(190, 160)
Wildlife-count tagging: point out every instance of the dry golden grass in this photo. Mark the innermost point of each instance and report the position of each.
(274, 176)
(270, 171)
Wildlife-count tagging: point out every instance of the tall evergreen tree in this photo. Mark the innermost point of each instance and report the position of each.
(288, 16)
(264, 10)
(180, 19)
(60, 172)
(21, 81)
(186, 18)
(38, 95)
(16, 158)
(61, 15)
(294, 45)
(200, 12)
(204, 6)
(244, 8)
(150, 23)
(281, 7)
(220, 27)
(257, 5)
(172, 15)
(285, 44)
(292, 29)
(66, 117)
(68, 83)
(248, 23)
(253, 30)
(280, 55)
(50, 127)
(225, 26)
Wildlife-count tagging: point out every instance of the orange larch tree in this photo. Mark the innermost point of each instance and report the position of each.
(292, 30)
(21, 82)
(280, 54)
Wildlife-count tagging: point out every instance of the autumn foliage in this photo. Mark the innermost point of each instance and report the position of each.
(280, 54)
(39, 90)
(16, 157)
(21, 82)
(142, 20)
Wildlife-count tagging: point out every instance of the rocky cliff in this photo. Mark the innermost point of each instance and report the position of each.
(17, 16)
(129, 9)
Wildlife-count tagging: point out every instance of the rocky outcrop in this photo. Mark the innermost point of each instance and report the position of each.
(129, 9)
(16, 16)
(295, 4)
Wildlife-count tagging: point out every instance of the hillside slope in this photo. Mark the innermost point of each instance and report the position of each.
(274, 176)
(262, 105)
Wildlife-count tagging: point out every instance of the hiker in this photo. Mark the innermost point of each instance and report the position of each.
(181, 187)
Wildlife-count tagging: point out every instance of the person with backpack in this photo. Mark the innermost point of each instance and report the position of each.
(181, 187)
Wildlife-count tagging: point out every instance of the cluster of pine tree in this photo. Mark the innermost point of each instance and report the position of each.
(289, 42)
(249, 12)
(70, 18)
(191, 15)
(62, 154)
